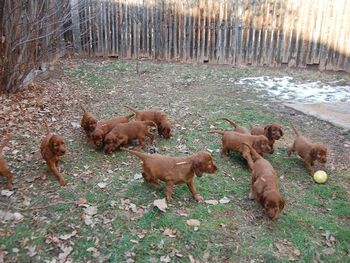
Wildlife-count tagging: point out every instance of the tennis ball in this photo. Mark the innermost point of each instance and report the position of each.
(320, 177)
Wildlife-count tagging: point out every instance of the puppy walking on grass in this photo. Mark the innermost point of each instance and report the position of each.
(175, 170)
(52, 147)
(264, 186)
(309, 152)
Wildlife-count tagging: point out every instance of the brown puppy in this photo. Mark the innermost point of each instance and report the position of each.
(105, 126)
(273, 132)
(88, 122)
(175, 170)
(52, 147)
(264, 187)
(233, 141)
(310, 152)
(4, 170)
(160, 118)
(124, 132)
(238, 128)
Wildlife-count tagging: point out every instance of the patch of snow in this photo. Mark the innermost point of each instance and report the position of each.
(287, 89)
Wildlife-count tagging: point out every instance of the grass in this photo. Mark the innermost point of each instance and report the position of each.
(195, 97)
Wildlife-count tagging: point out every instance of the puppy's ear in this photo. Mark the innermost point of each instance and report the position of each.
(257, 146)
(282, 203)
(196, 167)
(281, 130)
(268, 130)
(52, 144)
(313, 153)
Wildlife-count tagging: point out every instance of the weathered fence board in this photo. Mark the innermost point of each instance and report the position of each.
(259, 32)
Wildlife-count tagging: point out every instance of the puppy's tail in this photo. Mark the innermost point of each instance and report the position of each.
(255, 155)
(141, 155)
(82, 107)
(217, 131)
(132, 109)
(233, 123)
(294, 129)
(7, 138)
(47, 127)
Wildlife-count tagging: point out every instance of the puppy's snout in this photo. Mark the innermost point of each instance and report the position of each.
(62, 150)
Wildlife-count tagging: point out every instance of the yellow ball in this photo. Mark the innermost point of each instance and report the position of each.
(320, 177)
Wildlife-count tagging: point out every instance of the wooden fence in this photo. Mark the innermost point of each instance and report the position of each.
(239, 32)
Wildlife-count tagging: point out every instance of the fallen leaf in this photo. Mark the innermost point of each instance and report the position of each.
(88, 220)
(161, 204)
(75, 125)
(224, 200)
(81, 201)
(91, 210)
(8, 216)
(165, 259)
(26, 201)
(169, 232)
(193, 222)
(68, 236)
(211, 202)
(138, 176)
(6, 193)
(102, 185)
(31, 251)
(328, 251)
(65, 253)
(192, 260)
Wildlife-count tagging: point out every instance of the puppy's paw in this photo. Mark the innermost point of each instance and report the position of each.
(62, 182)
(198, 197)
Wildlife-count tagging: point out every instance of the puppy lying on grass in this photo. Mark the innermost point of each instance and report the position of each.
(160, 118)
(125, 132)
(105, 126)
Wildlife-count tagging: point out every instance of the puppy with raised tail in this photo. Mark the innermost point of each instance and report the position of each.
(238, 128)
(309, 152)
(175, 170)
